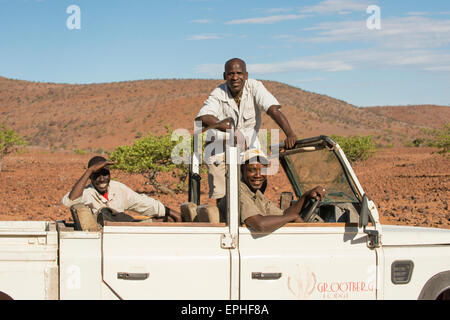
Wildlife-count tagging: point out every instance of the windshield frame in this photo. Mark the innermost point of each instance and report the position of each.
(320, 142)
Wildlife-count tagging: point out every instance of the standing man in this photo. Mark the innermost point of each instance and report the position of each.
(241, 99)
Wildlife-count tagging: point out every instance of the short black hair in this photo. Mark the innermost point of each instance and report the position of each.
(95, 160)
(236, 60)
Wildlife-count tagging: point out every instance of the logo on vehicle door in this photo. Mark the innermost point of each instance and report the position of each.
(341, 290)
(302, 285)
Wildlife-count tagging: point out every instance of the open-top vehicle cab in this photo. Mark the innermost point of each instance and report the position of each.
(312, 162)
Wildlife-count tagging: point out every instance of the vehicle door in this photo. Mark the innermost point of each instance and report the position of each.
(320, 260)
(166, 260)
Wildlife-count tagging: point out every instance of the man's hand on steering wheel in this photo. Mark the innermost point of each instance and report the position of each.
(307, 212)
(318, 193)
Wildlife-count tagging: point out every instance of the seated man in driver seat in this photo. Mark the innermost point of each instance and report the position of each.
(257, 212)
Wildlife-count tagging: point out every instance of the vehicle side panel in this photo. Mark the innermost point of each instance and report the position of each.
(28, 260)
(428, 260)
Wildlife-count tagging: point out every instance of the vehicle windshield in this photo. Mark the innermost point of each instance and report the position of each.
(318, 166)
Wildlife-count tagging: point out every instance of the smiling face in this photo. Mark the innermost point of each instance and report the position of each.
(252, 176)
(235, 75)
(100, 180)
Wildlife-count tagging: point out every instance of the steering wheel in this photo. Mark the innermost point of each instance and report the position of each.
(308, 213)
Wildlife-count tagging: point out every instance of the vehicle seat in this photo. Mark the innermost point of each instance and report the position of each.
(188, 212)
(285, 200)
(346, 212)
(83, 218)
(208, 213)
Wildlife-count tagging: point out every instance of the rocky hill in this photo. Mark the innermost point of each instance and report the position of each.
(103, 116)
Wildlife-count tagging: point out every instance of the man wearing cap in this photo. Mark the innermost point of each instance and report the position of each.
(102, 192)
(240, 100)
(257, 212)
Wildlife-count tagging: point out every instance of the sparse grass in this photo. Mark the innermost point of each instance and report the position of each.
(80, 152)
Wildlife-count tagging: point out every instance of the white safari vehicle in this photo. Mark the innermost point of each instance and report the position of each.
(342, 252)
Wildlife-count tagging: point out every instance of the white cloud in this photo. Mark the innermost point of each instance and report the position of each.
(427, 13)
(418, 13)
(303, 64)
(284, 36)
(203, 37)
(210, 69)
(419, 59)
(265, 46)
(295, 65)
(268, 19)
(438, 68)
(341, 7)
(405, 32)
(337, 6)
(418, 43)
(201, 21)
(313, 79)
(274, 10)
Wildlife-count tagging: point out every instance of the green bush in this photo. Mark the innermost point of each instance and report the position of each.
(440, 139)
(356, 148)
(150, 156)
(10, 142)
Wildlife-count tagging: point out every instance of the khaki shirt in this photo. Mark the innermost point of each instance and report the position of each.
(121, 198)
(255, 203)
(247, 118)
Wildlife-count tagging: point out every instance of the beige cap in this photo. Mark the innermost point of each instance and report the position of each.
(254, 155)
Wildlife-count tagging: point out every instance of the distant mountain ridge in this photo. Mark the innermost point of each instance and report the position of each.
(103, 116)
(423, 115)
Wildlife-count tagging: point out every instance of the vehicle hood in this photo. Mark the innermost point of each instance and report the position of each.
(405, 235)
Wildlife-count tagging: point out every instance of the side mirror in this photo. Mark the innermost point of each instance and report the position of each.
(364, 214)
(372, 235)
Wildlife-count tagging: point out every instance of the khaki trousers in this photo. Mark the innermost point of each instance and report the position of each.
(216, 180)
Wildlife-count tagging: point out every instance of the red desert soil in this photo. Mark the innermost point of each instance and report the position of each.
(411, 186)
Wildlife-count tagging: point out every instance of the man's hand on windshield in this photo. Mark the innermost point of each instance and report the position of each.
(239, 140)
(290, 141)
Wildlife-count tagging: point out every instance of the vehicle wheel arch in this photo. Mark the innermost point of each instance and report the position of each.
(437, 287)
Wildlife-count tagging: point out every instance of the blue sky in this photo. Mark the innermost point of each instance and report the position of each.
(323, 46)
